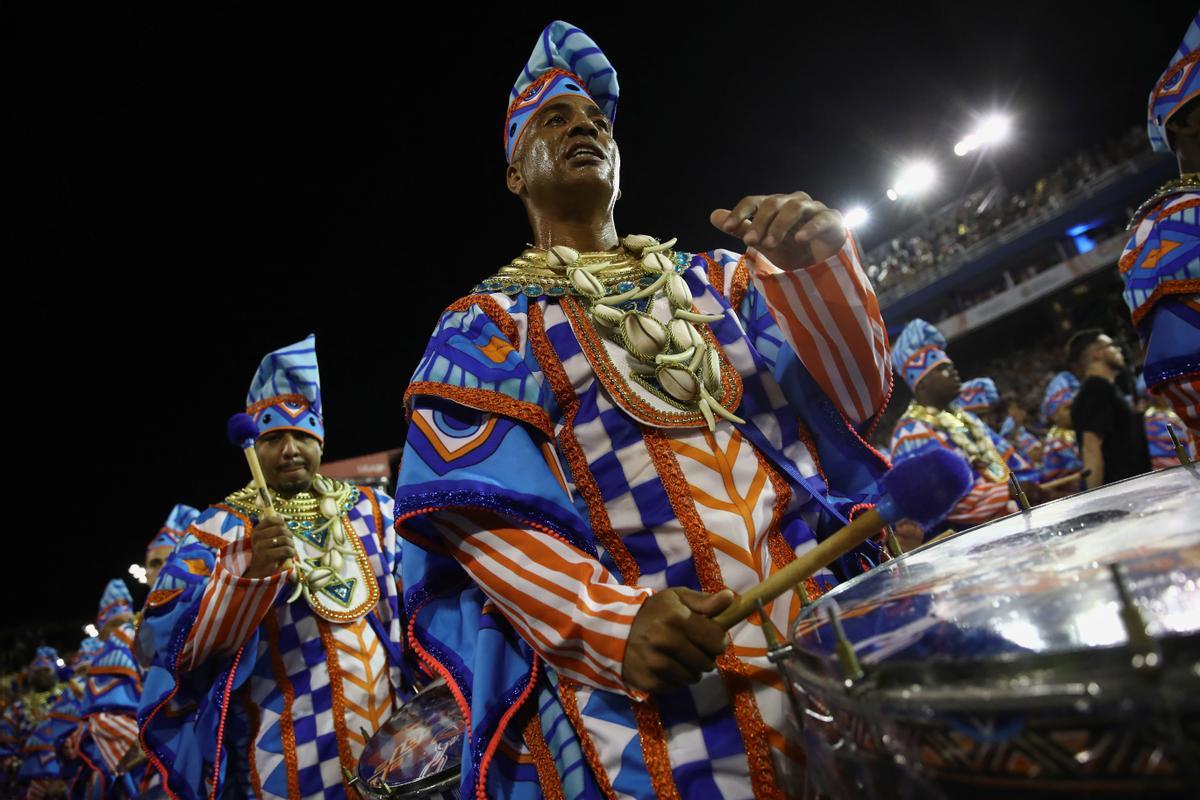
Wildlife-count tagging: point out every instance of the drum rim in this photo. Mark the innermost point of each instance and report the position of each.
(989, 684)
(813, 608)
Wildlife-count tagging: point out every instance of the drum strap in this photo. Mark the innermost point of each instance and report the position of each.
(759, 440)
(394, 653)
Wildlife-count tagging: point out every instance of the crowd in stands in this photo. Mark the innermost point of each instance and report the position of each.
(989, 210)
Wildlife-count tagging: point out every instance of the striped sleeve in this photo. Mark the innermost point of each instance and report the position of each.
(232, 606)
(830, 316)
(113, 735)
(985, 501)
(1184, 396)
(562, 601)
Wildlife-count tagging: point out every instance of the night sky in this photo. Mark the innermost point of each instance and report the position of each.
(194, 188)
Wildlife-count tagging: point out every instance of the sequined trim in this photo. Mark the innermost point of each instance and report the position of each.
(566, 695)
(483, 400)
(298, 399)
(753, 730)
(254, 715)
(741, 281)
(490, 751)
(496, 313)
(581, 474)
(237, 659)
(1190, 286)
(287, 730)
(160, 597)
(338, 699)
(617, 387)
(715, 272)
(749, 721)
(543, 759)
(654, 750)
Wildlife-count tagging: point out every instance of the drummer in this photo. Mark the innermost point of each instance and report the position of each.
(574, 514)
(1062, 450)
(1159, 265)
(315, 666)
(980, 397)
(934, 419)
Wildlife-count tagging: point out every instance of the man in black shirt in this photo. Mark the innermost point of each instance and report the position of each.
(1112, 439)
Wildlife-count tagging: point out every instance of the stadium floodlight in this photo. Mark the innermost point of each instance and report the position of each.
(90, 630)
(138, 572)
(914, 179)
(60, 662)
(992, 129)
(856, 217)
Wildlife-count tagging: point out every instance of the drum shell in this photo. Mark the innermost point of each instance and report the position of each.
(985, 673)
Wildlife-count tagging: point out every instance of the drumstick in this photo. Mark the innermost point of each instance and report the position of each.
(922, 489)
(243, 432)
(1064, 480)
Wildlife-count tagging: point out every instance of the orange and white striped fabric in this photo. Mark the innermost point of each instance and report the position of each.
(1184, 396)
(113, 735)
(232, 606)
(986, 501)
(562, 601)
(830, 316)
(577, 616)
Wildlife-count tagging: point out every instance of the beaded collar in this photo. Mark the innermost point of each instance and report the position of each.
(968, 434)
(1187, 182)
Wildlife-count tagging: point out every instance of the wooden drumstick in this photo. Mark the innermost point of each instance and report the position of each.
(243, 432)
(922, 489)
(1064, 480)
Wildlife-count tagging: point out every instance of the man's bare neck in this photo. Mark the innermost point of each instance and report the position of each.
(585, 234)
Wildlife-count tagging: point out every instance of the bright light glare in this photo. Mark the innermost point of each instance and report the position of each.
(913, 180)
(856, 217)
(993, 129)
(138, 572)
(61, 663)
(891, 195)
(90, 630)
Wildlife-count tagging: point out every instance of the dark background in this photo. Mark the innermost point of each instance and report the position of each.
(191, 188)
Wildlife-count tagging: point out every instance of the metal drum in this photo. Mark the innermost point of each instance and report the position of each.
(418, 752)
(1050, 653)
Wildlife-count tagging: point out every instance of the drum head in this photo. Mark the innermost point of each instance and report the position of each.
(419, 749)
(1035, 584)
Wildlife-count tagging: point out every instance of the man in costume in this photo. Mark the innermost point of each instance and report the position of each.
(277, 636)
(163, 543)
(110, 701)
(1161, 262)
(45, 765)
(934, 419)
(1015, 429)
(21, 717)
(979, 396)
(1061, 451)
(606, 437)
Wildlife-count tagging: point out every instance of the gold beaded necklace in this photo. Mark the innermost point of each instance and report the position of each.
(1187, 182)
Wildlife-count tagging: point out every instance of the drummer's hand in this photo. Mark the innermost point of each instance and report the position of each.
(672, 641)
(792, 230)
(271, 546)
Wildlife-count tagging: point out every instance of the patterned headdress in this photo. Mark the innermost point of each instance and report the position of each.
(286, 391)
(1179, 84)
(46, 657)
(88, 648)
(1062, 389)
(978, 394)
(564, 61)
(172, 530)
(115, 600)
(918, 349)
